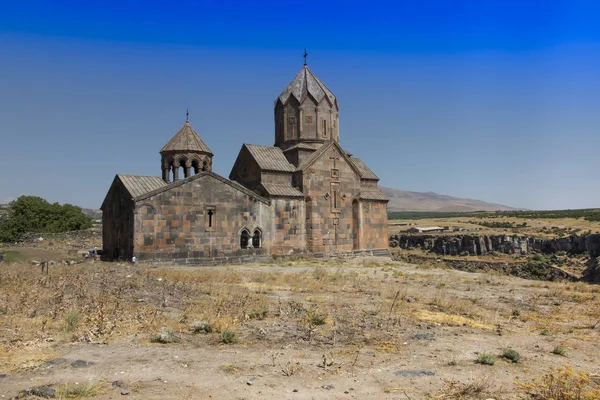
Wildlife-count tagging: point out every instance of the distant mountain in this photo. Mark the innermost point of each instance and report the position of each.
(92, 213)
(402, 200)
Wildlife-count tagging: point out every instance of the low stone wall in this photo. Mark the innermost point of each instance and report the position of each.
(259, 257)
(508, 244)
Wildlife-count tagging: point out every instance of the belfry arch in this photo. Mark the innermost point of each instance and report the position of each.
(185, 155)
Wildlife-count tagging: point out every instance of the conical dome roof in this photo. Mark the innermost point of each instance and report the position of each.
(186, 140)
(306, 82)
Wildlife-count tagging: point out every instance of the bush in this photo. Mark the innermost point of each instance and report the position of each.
(165, 336)
(202, 327)
(228, 337)
(559, 351)
(486, 359)
(315, 319)
(258, 313)
(72, 320)
(319, 273)
(511, 355)
(562, 384)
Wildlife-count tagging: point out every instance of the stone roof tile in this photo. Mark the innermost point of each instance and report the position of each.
(365, 172)
(304, 146)
(269, 158)
(201, 175)
(281, 190)
(138, 185)
(186, 139)
(372, 194)
(306, 82)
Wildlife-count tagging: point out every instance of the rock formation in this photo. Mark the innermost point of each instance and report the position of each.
(508, 244)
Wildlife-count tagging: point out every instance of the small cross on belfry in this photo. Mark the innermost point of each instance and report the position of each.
(187, 115)
(305, 55)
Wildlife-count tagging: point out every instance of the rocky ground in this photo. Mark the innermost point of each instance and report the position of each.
(370, 329)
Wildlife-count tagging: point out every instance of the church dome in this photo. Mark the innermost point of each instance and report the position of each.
(307, 83)
(185, 151)
(306, 112)
(186, 139)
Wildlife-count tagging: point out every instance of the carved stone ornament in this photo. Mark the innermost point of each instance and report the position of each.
(309, 119)
(344, 196)
(327, 196)
(292, 120)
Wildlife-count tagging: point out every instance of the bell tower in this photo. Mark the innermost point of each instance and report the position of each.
(306, 112)
(185, 150)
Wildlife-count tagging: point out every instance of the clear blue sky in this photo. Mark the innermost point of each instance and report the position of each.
(493, 100)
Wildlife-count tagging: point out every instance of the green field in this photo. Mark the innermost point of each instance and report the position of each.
(588, 214)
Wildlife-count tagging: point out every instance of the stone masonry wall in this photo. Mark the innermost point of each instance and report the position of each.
(177, 223)
(245, 171)
(117, 223)
(331, 184)
(375, 225)
(289, 230)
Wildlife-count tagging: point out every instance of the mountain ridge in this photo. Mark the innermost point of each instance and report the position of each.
(404, 200)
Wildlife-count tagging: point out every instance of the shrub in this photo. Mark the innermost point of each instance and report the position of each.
(319, 273)
(314, 318)
(230, 368)
(258, 313)
(559, 351)
(562, 384)
(75, 391)
(511, 355)
(165, 336)
(202, 327)
(72, 320)
(228, 337)
(486, 359)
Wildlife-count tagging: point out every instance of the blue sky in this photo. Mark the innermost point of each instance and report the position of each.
(492, 100)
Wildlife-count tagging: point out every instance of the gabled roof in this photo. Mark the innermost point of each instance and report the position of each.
(281, 190)
(175, 184)
(269, 158)
(315, 156)
(186, 140)
(304, 146)
(372, 194)
(365, 172)
(137, 185)
(306, 82)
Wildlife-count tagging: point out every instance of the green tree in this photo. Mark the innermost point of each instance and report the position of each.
(34, 214)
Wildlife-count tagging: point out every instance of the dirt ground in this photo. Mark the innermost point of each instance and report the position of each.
(366, 329)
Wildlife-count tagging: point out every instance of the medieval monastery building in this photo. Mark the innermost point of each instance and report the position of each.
(305, 194)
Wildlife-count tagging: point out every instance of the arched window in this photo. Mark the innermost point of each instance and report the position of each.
(256, 239)
(196, 166)
(183, 171)
(244, 239)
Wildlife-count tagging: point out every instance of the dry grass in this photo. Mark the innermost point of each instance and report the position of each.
(331, 306)
(563, 383)
(80, 390)
(481, 388)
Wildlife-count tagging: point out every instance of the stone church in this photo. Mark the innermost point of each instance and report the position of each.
(304, 194)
